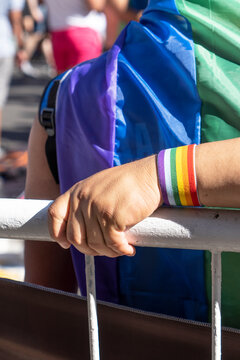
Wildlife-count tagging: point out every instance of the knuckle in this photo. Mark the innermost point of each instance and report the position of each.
(113, 220)
(94, 245)
(74, 201)
(83, 194)
(97, 205)
(106, 218)
(119, 220)
(51, 212)
(73, 238)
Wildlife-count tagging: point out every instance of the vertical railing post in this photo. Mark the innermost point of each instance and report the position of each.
(216, 305)
(92, 308)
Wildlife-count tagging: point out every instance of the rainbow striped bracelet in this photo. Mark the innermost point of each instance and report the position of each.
(177, 176)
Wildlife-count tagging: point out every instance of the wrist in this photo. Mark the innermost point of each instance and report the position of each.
(153, 179)
(177, 176)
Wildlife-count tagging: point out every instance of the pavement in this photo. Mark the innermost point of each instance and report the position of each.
(18, 115)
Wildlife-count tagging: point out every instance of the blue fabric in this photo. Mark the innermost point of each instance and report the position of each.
(137, 4)
(44, 99)
(167, 6)
(133, 101)
(158, 107)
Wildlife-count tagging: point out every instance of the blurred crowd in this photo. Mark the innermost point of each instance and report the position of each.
(56, 35)
(62, 33)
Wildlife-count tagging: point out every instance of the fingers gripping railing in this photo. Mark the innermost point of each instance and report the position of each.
(201, 229)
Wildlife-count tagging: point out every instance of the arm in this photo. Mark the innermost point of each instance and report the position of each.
(218, 173)
(94, 214)
(34, 10)
(45, 263)
(16, 22)
(97, 5)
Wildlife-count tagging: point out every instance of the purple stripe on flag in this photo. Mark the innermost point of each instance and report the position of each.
(161, 174)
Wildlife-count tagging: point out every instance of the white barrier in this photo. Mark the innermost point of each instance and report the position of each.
(203, 229)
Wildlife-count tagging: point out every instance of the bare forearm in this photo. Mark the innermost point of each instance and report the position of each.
(95, 213)
(16, 21)
(46, 264)
(218, 173)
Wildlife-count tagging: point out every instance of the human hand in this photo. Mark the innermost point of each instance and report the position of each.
(95, 213)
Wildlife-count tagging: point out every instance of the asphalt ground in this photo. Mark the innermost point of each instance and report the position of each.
(18, 115)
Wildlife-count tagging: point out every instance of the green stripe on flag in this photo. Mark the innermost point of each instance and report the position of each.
(216, 35)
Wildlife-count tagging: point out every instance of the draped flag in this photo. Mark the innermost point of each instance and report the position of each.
(172, 79)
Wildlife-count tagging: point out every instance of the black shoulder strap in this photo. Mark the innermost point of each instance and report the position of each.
(47, 114)
(47, 120)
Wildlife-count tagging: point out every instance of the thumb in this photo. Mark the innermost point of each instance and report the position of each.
(57, 219)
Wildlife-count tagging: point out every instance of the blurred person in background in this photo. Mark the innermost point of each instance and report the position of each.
(36, 37)
(11, 40)
(77, 30)
(133, 9)
(113, 25)
(118, 13)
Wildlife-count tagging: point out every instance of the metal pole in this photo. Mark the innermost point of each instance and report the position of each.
(216, 305)
(199, 229)
(24, 219)
(92, 308)
(204, 229)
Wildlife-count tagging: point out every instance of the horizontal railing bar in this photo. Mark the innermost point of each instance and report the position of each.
(24, 219)
(212, 229)
(192, 228)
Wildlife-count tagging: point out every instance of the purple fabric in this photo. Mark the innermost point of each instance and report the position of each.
(156, 107)
(85, 138)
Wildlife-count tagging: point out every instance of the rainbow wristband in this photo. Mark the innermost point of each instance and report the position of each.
(177, 176)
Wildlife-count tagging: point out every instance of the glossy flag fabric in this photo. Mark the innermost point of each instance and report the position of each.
(170, 80)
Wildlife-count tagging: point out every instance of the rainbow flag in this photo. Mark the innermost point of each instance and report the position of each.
(172, 79)
(216, 35)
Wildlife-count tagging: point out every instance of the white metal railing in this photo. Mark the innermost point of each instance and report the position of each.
(197, 229)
